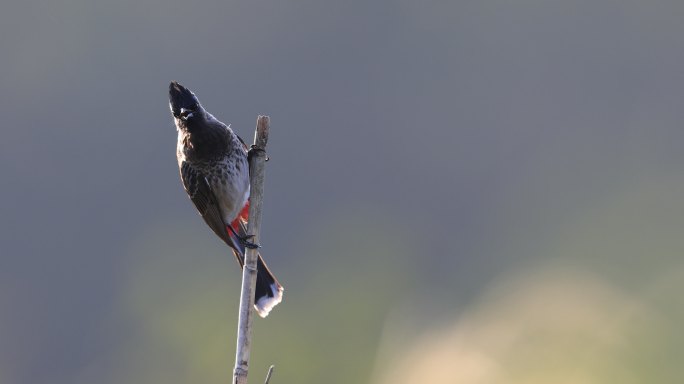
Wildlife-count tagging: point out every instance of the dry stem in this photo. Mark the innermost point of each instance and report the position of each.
(249, 272)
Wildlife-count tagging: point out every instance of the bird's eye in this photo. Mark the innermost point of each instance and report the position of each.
(186, 113)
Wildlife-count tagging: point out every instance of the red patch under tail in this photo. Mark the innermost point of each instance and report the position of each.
(243, 215)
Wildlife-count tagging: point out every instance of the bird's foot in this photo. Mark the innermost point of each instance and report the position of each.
(248, 244)
(253, 149)
(244, 240)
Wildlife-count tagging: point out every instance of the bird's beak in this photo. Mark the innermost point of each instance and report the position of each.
(181, 98)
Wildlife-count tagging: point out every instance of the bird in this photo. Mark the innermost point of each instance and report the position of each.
(214, 169)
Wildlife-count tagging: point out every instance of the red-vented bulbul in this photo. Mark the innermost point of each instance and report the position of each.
(214, 168)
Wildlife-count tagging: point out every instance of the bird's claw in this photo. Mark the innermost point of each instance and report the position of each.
(253, 149)
(248, 244)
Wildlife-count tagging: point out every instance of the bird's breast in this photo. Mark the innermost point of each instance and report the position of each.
(229, 180)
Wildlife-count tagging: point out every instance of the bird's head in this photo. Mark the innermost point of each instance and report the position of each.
(184, 106)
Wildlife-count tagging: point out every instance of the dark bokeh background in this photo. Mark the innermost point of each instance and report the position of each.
(476, 191)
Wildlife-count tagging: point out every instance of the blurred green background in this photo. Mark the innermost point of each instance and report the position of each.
(458, 191)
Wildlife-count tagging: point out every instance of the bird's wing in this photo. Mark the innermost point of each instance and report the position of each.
(201, 194)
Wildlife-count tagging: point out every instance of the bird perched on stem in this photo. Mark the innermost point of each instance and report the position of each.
(214, 168)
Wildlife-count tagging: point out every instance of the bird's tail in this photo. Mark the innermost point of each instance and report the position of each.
(268, 291)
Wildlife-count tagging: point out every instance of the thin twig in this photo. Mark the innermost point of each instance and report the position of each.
(269, 373)
(249, 272)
